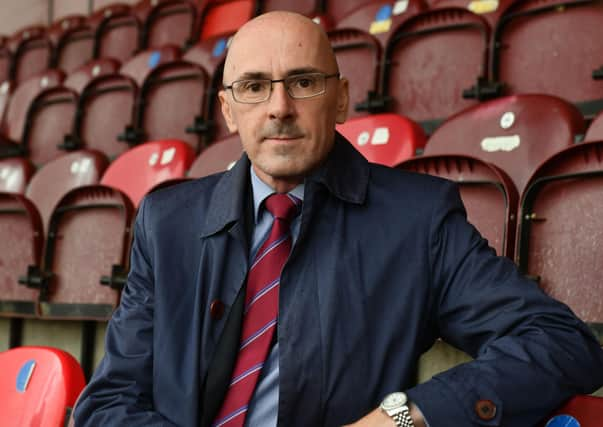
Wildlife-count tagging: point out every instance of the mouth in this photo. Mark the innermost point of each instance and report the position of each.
(280, 138)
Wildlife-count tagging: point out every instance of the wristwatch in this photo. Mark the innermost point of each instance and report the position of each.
(396, 406)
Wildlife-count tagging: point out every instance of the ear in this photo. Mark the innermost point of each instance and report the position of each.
(343, 100)
(227, 111)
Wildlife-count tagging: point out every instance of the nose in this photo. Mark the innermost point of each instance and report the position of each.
(280, 104)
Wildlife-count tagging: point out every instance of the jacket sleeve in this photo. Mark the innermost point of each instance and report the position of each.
(121, 390)
(530, 351)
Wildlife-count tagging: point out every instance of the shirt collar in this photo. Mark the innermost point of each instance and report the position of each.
(261, 191)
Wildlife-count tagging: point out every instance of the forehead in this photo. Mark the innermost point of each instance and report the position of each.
(275, 50)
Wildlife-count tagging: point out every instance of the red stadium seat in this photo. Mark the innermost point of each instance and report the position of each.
(488, 194)
(381, 17)
(561, 230)
(220, 17)
(38, 386)
(337, 9)
(117, 32)
(73, 41)
(6, 91)
(217, 128)
(49, 119)
(305, 7)
(515, 133)
(387, 139)
(580, 411)
(32, 53)
(218, 157)
(171, 104)
(14, 122)
(430, 59)
(25, 222)
(15, 174)
(170, 22)
(79, 78)
(87, 274)
(138, 170)
(491, 10)
(358, 56)
(209, 53)
(552, 47)
(105, 109)
(139, 66)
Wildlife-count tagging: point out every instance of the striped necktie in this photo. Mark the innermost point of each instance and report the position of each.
(261, 310)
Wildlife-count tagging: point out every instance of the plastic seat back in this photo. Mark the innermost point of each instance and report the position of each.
(21, 99)
(515, 133)
(358, 57)
(170, 22)
(564, 65)
(304, 7)
(32, 53)
(579, 411)
(387, 139)
(49, 119)
(139, 66)
(218, 157)
(337, 9)
(80, 77)
(141, 168)
(172, 103)
(220, 17)
(38, 386)
(6, 91)
(5, 60)
(487, 192)
(87, 274)
(117, 32)
(380, 18)
(430, 60)
(561, 230)
(491, 11)
(73, 39)
(105, 109)
(209, 53)
(15, 174)
(56, 178)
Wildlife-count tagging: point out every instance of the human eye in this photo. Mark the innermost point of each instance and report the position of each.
(304, 81)
(253, 86)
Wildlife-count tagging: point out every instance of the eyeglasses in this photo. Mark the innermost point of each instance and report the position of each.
(298, 86)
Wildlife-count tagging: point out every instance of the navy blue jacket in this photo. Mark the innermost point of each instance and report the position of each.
(385, 263)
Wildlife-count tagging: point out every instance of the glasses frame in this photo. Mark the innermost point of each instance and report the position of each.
(323, 75)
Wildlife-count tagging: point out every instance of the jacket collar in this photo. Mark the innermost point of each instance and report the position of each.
(345, 174)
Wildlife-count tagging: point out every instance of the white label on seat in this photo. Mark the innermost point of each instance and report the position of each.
(80, 166)
(501, 143)
(108, 13)
(168, 155)
(96, 70)
(153, 159)
(4, 87)
(507, 120)
(483, 6)
(400, 7)
(4, 173)
(380, 136)
(363, 138)
(44, 82)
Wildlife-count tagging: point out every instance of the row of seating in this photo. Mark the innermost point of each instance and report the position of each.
(423, 61)
(40, 386)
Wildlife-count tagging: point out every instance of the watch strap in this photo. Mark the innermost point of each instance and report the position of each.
(402, 418)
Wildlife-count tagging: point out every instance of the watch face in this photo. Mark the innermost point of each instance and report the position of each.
(393, 401)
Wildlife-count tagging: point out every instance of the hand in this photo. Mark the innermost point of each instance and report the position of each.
(378, 418)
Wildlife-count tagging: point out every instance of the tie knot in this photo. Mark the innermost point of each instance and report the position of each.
(283, 206)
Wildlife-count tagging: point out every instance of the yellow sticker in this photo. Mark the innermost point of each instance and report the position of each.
(379, 27)
(483, 6)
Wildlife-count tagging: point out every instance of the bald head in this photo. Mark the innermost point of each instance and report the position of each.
(268, 39)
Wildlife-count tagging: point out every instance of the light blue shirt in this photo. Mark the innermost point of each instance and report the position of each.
(263, 407)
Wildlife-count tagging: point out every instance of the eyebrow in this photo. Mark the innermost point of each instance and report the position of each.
(252, 75)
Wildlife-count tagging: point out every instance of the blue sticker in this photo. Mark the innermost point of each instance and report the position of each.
(154, 59)
(24, 375)
(219, 47)
(563, 421)
(384, 13)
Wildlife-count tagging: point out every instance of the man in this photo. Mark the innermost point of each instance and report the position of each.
(359, 267)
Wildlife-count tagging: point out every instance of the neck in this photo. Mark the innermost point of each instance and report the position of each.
(280, 184)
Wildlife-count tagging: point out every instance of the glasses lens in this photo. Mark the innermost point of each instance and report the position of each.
(251, 90)
(305, 85)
